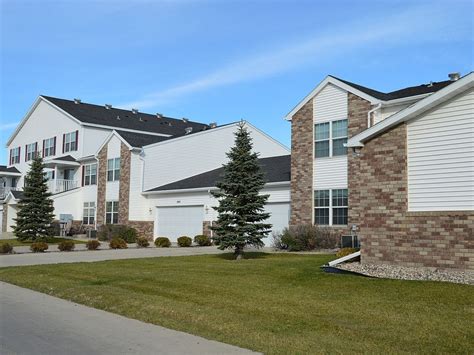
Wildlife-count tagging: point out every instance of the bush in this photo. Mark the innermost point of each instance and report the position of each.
(6, 248)
(184, 241)
(66, 245)
(142, 242)
(306, 237)
(92, 244)
(346, 251)
(202, 240)
(38, 247)
(118, 243)
(162, 242)
(107, 232)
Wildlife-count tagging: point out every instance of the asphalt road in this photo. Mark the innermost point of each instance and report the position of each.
(35, 323)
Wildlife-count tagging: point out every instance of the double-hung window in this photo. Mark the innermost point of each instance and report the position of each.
(330, 207)
(49, 147)
(90, 174)
(30, 152)
(329, 139)
(111, 212)
(113, 169)
(88, 215)
(14, 155)
(70, 141)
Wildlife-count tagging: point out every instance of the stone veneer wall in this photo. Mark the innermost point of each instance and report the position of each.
(389, 233)
(302, 157)
(4, 217)
(206, 228)
(124, 186)
(101, 186)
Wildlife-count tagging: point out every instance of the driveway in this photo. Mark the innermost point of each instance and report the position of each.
(100, 255)
(35, 323)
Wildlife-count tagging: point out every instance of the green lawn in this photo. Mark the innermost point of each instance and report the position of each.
(276, 304)
(49, 240)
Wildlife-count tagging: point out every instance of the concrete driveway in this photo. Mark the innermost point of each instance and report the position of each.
(35, 323)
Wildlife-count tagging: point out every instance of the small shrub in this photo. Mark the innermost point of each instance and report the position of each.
(108, 232)
(142, 242)
(38, 247)
(216, 240)
(184, 241)
(92, 244)
(66, 245)
(129, 234)
(202, 240)
(306, 237)
(6, 248)
(162, 242)
(118, 243)
(346, 251)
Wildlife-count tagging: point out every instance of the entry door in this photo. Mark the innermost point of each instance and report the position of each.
(174, 222)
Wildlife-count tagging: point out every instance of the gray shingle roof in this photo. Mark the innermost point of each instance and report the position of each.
(276, 169)
(5, 169)
(138, 140)
(125, 119)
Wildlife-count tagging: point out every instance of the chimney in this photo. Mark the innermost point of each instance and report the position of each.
(108, 107)
(188, 130)
(454, 76)
(134, 111)
(213, 124)
(77, 101)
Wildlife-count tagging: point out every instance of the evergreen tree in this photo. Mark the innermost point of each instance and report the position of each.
(35, 209)
(241, 217)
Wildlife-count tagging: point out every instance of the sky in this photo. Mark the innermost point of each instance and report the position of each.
(221, 61)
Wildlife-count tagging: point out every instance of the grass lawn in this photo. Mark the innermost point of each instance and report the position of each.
(277, 304)
(50, 240)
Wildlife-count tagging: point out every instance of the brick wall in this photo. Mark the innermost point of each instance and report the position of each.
(302, 166)
(101, 185)
(144, 228)
(391, 234)
(124, 186)
(4, 217)
(206, 228)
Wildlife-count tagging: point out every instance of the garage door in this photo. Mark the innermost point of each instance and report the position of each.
(280, 215)
(173, 222)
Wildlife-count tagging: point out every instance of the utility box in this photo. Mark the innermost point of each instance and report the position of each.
(349, 241)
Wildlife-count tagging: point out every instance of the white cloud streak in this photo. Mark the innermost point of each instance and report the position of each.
(8, 126)
(409, 26)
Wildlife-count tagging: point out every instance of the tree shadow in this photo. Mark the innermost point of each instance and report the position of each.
(246, 256)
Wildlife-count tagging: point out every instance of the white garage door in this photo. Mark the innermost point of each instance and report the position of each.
(173, 222)
(280, 215)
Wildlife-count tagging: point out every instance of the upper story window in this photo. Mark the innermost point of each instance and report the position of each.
(90, 174)
(49, 147)
(14, 155)
(113, 169)
(331, 207)
(70, 141)
(329, 139)
(30, 151)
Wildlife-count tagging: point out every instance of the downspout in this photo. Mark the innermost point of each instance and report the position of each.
(369, 114)
(97, 192)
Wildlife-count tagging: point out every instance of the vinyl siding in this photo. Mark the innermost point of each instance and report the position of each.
(139, 205)
(330, 104)
(441, 157)
(330, 173)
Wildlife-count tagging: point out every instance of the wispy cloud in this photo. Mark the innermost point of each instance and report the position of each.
(409, 26)
(8, 126)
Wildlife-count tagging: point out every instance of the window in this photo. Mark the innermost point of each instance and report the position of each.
(50, 174)
(113, 169)
(49, 147)
(70, 141)
(331, 207)
(30, 151)
(111, 212)
(329, 139)
(14, 155)
(88, 215)
(90, 174)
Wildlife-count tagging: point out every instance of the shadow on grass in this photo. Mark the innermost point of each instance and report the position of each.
(246, 256)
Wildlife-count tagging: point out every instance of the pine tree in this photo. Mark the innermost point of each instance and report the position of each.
(241, 217)
(35, 209)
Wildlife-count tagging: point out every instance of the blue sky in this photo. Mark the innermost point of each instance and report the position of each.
(221, 60)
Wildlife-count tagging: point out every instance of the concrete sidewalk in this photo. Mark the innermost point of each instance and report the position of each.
(100, 255)
(35, 323)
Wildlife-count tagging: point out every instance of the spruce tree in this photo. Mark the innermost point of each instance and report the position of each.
(35, 209)
(241, 217)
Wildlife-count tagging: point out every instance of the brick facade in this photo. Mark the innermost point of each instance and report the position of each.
(206, 228)
(302, 157)
(124, 187)
(5, 217)
(144, 228)
(101, 185)
(391, 234)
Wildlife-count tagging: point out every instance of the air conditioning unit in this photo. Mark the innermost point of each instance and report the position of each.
(349, 241)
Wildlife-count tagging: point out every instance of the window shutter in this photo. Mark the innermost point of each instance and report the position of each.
(77, 140)
(26, 152)
(19, 153)
(83, 176)
(36, 149)
(64, 139)
(54, 149)
(44, 140)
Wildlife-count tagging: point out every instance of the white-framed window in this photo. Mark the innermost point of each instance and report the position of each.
(111, 212)
(329, 138)
(90, 174)
(30, 152)
(70, 141)
(88, 214)
(14, 155)
(50, 174)
(331, 207)
(49, 147)
(113, 169)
